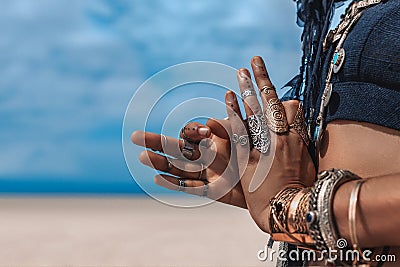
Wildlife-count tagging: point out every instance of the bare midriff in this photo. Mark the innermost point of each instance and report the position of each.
(367, 150)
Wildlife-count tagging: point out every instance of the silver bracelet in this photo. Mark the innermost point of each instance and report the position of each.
(320, 217)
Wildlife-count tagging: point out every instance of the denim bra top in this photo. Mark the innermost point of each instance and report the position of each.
(367, 88)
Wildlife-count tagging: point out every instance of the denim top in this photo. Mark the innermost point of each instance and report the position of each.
(367, 88)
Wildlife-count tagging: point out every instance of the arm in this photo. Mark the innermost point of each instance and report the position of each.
(287, 165)
(377, 211)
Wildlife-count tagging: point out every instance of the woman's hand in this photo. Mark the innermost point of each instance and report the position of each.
(211, 170)
(286, 163)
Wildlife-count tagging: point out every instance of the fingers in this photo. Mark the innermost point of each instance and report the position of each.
(165, 144)
(157, 142)
(239, 137)
(220, 128)
(296, 120)
(234, 115)
(262, 79)
(181, 168)
(291, 109)
(194, 187)
(249, 96)
(273, 108)
(195, 132)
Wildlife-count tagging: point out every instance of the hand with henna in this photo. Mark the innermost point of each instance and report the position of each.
(275, 156)
(201, 163)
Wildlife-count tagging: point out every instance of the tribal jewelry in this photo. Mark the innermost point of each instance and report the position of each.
(276, 116)
(248, 92)
(259, 132)
(339, 34)
(320, 216)
(242, 140)
(299, 124)
(182, 185)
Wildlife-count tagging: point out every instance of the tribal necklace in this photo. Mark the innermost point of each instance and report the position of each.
(339, 35)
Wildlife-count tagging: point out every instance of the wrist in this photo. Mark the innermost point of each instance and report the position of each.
(287, 216)
(297, 212)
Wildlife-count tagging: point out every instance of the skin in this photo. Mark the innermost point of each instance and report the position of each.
(346, 145)
(368, 150)
(353, 146)
(220, 164)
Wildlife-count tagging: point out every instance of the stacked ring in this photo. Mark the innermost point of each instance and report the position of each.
(188, 145)
(242, 140)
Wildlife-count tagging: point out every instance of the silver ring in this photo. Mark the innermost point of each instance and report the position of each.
(235, 138)
(259, 132)
(185, 137)
(267, 89)
(242, 140)
(187, 149)
(169, 165)
(205, 190)
(182, 185)
(201, 172)
(164, 142)
(248, 92)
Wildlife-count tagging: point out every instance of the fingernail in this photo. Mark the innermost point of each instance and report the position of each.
(229, 97)
(258, 61)
(203, 131)
(243, 73)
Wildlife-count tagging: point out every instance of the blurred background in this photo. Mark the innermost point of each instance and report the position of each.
(68, 71)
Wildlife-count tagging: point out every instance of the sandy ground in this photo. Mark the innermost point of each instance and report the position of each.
(125, 232)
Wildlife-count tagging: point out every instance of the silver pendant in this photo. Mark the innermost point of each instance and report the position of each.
(338, 59)
(327, 95)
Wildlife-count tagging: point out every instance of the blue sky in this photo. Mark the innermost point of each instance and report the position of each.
(69, 69)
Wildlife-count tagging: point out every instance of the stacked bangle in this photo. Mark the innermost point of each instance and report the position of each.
(286, 219)
(322, 228)
(304, 216)
(352, 217)
(298, 209)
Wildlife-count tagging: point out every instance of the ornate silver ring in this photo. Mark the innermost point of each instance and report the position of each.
(248, 92)
(242, 140)
(259, 132)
